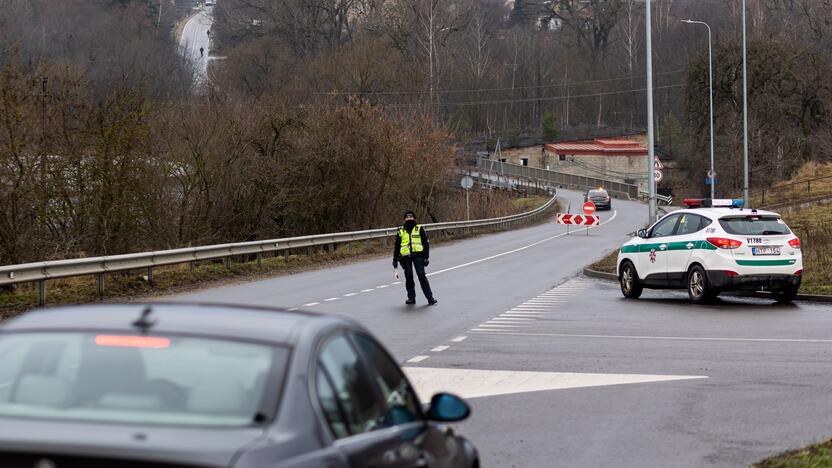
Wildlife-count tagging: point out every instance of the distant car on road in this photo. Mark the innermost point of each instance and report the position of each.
(600, 197)
(209, 3)
(713, 246)
(211, 385)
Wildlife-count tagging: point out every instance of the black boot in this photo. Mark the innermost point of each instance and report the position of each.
(432, 301)
(410, 301)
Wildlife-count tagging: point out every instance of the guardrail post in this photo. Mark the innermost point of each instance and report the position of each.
(100, 285)
(259, 260)
(228, 262)
(150, 276)
(42, 293)
(286, 256)
(192, 266)
(349, 247)
(384, 241)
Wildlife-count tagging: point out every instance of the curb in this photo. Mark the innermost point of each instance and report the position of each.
(600, 275)
(821, 298)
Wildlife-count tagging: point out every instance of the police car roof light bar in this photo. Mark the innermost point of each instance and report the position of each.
(713, 203)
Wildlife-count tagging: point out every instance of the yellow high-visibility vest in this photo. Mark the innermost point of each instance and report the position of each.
(411, 242)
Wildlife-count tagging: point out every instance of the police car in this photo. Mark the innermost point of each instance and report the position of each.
(710, 247)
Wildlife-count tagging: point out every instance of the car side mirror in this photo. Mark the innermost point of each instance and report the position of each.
(642, 233)
(445, 407)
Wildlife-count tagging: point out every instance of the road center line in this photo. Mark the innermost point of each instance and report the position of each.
(439, 349)
(614, 214)
(350, 294)
(459, 339)
(311, 304)
(367, 290)
(418, 359)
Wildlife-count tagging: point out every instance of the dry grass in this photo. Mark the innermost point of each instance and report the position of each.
(606, 264)
(813, 456)
(797, 187)
(814, 227)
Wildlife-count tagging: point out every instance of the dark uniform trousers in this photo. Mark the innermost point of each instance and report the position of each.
(408, 264)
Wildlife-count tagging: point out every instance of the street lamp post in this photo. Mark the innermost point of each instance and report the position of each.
(651, 183)
(712, 173)
(744, 112)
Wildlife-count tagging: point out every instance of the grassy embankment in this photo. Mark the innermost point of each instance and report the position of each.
(173, 279)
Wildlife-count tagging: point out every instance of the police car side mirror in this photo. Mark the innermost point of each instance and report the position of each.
(642, 233)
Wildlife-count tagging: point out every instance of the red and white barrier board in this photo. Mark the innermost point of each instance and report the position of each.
(578, 219)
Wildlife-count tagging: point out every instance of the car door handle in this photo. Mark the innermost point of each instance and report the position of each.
(663, 246)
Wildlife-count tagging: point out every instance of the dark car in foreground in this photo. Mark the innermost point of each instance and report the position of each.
(600, 197)
(151, 385)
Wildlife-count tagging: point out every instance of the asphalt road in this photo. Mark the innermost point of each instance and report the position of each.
(195, 35)
(562, 371)
(467, 293)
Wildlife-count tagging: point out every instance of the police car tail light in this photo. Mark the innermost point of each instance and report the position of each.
(731, 273)
(724, 243)
(798, 273)
(795, 243)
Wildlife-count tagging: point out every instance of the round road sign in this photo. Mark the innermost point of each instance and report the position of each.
(589, 208)
(658, 175)
(467, 182)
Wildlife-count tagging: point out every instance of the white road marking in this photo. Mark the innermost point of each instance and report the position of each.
(417, 359)
(498, 325)
(514, 314)
(474, 383)
(459, 339)
(367, 290)
(513, 319)
(293, 309)
(331, 299)
(311, 304)
(350, 294)
(669, 338)
(396, 282)
(614, 214)
(382, 286)
(439, 349)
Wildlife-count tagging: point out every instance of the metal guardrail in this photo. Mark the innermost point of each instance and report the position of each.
(561, 179)
(666, 199)
(42, 271)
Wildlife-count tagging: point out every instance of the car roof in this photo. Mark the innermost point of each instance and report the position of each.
(719, 212)
(218, 320)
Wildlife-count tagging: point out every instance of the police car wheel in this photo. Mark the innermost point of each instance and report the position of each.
(699, 290)
(785, 295)
(628, 278)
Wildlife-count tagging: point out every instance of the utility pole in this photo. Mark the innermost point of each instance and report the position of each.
(744, 111)
(651, 155)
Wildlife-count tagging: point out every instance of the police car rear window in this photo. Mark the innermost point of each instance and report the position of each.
(754, 225)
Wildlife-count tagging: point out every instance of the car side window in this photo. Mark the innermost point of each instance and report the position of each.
(401, 400)
(333, 412)
(665, 227)
(689, 224)
(353, 389)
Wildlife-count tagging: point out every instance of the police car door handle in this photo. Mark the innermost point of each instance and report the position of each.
(663, 246)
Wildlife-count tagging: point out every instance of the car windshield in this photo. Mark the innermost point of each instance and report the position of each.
(114, 378)
(754, 225)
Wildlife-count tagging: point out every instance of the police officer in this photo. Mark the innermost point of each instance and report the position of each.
(412, 250)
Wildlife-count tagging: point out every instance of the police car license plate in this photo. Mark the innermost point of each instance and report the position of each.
(765, 250)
